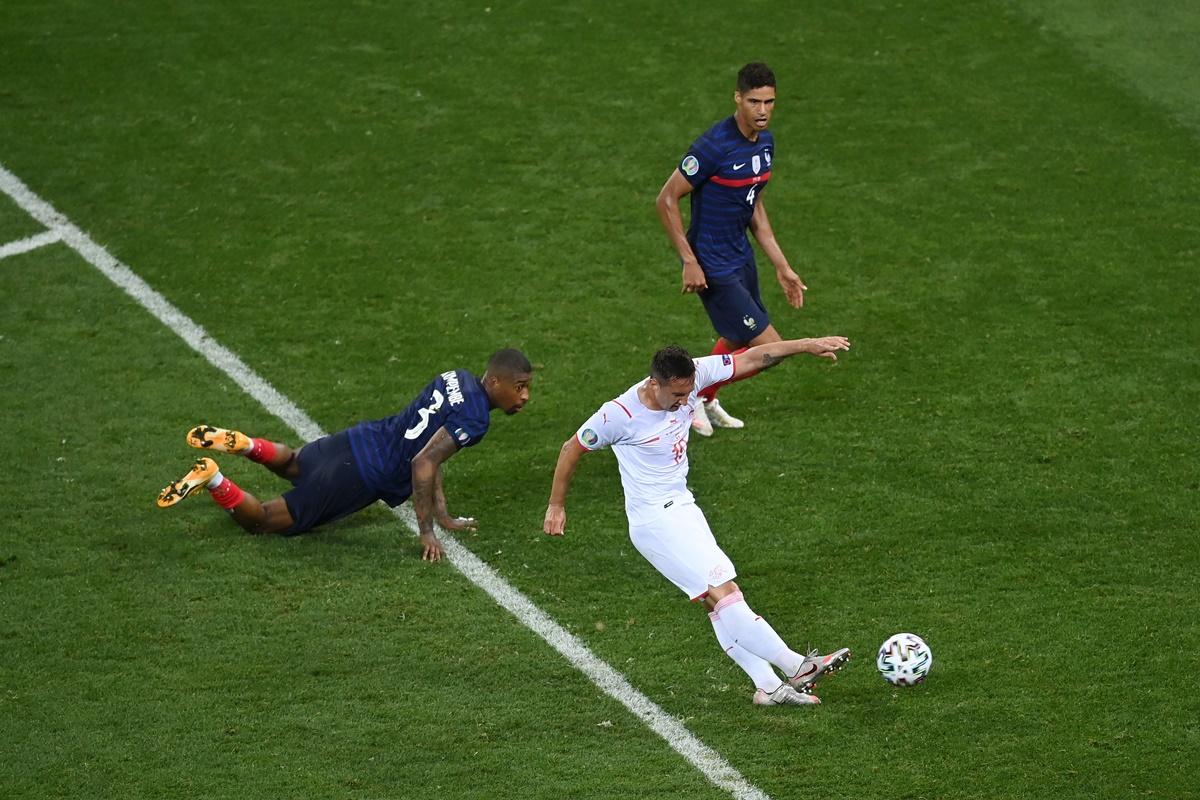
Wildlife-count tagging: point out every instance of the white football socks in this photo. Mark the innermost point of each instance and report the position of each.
(215, 481)
(755, 634)
(759, 671)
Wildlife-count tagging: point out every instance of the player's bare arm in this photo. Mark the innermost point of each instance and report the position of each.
(789, 281)
(425, 468)
(669, 196)
(765, 356)
(556, 510)
(444, 520)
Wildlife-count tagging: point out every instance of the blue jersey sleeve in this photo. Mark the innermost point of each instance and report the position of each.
(701, 161)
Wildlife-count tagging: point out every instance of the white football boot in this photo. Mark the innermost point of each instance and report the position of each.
(785, 695)
(720, 417)
(700, 423)
(815, 665)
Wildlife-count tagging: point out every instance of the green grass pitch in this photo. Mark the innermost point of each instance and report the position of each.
(998, 203)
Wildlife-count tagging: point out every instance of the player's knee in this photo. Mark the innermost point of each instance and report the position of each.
(720, 591)
(291, 467)
(276, 517)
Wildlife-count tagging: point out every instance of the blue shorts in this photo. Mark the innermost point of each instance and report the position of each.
(329, 486)
(735, 307)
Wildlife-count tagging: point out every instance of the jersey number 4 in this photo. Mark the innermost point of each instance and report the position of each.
(750, 195)
(416, 430)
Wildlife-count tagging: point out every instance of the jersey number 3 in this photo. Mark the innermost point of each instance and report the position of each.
(427, 412)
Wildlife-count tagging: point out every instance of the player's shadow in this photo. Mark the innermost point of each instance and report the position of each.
(359, 542)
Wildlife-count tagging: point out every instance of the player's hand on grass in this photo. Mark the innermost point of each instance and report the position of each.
(555, 523)
(431, 547)
(693, 278)
(449, 523)
(793, 288)
(827, 346)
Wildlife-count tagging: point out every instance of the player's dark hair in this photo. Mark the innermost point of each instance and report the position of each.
(670, 363)
(755, 76)
(509, 362)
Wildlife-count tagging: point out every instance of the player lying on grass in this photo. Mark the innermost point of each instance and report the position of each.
(389, 459)
(648, 428)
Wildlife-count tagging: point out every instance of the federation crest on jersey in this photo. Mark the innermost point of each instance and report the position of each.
(750, 322)
(589, 437)
(767, 157)
(756, 164)
(690, 165)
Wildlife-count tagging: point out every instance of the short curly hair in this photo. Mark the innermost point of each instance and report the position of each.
(509, 362)
(755, 75)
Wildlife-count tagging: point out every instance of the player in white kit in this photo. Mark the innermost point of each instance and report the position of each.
(648, 428)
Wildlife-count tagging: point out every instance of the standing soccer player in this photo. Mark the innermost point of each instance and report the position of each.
(648, 428)
(725, 171)
(389, 459)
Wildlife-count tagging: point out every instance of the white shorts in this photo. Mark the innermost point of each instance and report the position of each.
(681, 547)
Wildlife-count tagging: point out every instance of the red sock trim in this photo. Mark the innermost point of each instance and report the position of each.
(729, 600)
(261, 451)
(228, 494)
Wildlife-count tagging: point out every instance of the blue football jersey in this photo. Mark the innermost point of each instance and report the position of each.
(727, 172)
(385, 448)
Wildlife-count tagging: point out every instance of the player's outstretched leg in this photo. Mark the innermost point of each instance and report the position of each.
(753, 633)
(769, 690)
(816, 665)
(277, 457)
(246, 510)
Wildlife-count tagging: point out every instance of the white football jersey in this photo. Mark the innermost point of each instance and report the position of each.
(651, 446)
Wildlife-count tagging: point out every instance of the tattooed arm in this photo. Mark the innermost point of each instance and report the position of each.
(765, 356)
(427, 497)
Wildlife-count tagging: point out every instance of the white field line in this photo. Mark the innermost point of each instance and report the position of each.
(708, 761)
(29, 243)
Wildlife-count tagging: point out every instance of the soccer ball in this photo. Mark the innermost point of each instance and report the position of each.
(904, 659)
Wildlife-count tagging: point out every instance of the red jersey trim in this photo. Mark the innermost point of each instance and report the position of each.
(717, 179)
(623, 408)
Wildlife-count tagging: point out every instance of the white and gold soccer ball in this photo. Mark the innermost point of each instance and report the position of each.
(904, 659)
